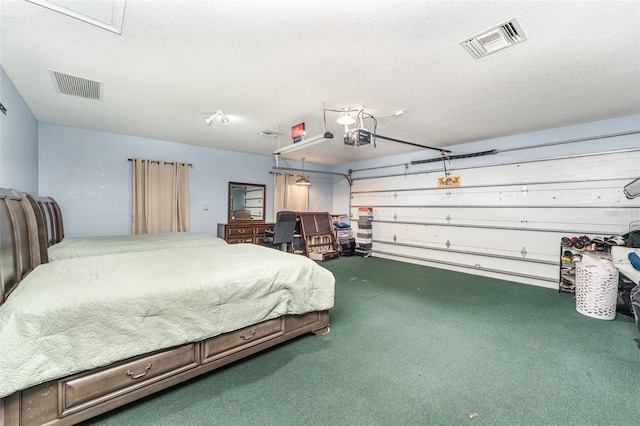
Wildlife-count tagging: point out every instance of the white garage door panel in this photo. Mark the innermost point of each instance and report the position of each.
(506, 266)
(410, 181)
(494, 241)
(574, 220)
(593, 167)
(515, 279)
(595, 194)
(508, 219)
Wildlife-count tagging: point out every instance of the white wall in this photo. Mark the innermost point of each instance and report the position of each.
(87, 172)
(18, 140)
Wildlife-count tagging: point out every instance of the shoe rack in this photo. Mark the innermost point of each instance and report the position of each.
(572, 249)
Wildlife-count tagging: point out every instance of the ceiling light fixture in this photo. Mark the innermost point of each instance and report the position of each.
(223, 118)
(305, 143)
(303, 180)
(346, 119)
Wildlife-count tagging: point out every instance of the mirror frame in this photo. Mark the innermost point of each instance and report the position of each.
(230, 218)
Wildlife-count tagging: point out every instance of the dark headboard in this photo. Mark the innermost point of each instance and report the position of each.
(21, 240)
(51, 214)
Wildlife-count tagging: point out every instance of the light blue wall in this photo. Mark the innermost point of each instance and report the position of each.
(18, 140)
(87, 172)
(504, 146)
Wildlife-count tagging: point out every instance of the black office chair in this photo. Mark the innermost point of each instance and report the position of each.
(283, 231)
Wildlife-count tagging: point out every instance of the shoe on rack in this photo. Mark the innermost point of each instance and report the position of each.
(600, 244)
(577, 243)
(567, 285)
(615, 240)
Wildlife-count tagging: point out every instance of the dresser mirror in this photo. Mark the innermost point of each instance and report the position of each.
(246, 202)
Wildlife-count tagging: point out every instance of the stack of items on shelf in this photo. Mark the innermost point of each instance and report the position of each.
(365, 229)
(342, 229)
(572, 251)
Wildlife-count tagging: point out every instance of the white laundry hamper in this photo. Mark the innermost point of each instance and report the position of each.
(596, 288)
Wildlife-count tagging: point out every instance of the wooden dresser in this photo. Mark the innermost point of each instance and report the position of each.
(243, 232)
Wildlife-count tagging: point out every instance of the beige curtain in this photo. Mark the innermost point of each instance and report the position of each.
(288, 195)
(160, 197)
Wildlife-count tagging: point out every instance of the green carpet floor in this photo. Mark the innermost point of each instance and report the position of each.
(412, 345)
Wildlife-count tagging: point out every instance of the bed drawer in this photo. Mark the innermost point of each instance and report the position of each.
(80, 391)
(228, 343)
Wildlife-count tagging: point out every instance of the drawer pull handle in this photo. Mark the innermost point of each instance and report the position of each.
(241, 231)
(253, 333)
(137, 376)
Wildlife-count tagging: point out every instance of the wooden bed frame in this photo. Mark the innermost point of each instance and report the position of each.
(76, 398)
(51, 217)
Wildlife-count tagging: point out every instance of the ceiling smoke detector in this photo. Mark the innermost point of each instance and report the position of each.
(497, 38)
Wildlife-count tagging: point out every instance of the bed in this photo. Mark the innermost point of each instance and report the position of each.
(100, 245)
(61, 247)
(163, 317)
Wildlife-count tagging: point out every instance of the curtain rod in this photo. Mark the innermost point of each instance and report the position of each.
(167, 162)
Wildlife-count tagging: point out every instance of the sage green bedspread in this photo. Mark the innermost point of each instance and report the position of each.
(100, 245)
(77, 314)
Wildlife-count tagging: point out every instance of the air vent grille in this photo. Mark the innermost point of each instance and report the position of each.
(76, 86)
(269, 133)
(497, 38)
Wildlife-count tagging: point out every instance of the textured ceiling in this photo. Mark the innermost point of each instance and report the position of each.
(272, 64)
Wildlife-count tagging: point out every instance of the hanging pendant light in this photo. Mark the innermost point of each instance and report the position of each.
(303, 180)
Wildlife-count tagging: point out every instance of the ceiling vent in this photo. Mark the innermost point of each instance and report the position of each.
(76, 86)
(494, 39)
(269, 133)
